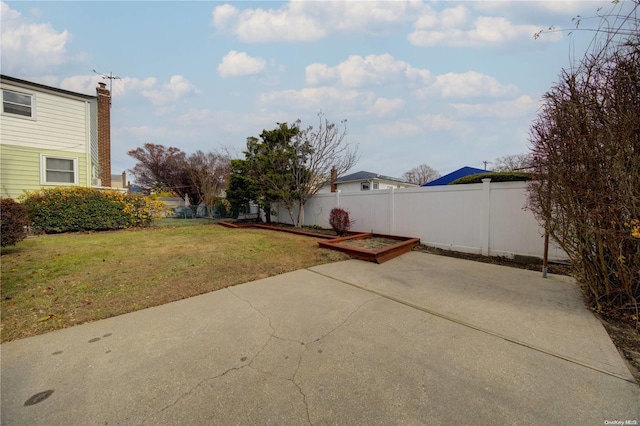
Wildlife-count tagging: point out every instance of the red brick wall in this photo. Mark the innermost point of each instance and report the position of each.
(104, 134)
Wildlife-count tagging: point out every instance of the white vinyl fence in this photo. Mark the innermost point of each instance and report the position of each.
(485, 218)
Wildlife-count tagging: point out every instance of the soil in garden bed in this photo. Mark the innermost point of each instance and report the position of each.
(373, 243)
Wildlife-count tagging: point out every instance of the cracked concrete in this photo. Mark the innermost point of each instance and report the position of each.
(419, 339)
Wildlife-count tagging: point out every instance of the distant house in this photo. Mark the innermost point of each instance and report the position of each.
(52, 137)
(367, 181)
(119, 181)
(457, 174)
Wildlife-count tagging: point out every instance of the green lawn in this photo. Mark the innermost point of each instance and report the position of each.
(56, 281)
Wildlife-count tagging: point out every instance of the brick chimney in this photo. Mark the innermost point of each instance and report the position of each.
(104, 133)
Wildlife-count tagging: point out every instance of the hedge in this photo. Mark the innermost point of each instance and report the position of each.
(494, 176)
(60, 209)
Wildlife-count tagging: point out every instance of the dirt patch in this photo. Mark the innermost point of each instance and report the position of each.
(625, 336)
(553, 268)
(627, 339)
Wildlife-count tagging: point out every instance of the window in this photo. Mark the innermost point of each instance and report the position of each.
(59, 170)
(17, 103)
(375, 185)
(364, 186)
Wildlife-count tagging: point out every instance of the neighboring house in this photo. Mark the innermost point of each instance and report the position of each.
(52, 137)
(119, 181)
(366, 181)
(457, 174)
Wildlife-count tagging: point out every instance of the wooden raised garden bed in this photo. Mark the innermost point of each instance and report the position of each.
(372, 247)
(366, 246)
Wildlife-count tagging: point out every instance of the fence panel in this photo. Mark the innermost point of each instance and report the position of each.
(444, 217)
(488, 218)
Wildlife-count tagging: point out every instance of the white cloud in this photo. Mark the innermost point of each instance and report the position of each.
(225, 123)
(457, 27)
(435, 122)
(142, 133)
(522, 106)
(468, 84)
(313, 20)
(364, 17)
(397, 129)
(415, 126)
(81, 83)
(564, 9)
(119, 87)
(30, 47)
(262, 26)
(240, 64)
(177, 88)
(384, 107)
(316, 98)
(305, 21)
(359, 71)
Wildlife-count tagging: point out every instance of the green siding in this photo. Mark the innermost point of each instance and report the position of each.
(20, 169)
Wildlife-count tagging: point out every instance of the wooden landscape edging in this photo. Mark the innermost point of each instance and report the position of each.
(404, 244)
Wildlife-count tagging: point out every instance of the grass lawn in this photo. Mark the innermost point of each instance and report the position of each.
(50, 282)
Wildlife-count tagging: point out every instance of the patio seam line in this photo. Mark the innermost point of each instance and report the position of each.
(482, 330)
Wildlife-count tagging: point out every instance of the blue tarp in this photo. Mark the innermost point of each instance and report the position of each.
(447, 179)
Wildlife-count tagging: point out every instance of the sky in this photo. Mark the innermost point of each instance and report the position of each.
(447, 84)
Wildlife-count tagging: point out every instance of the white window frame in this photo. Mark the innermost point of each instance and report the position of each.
(43, 170)
(32, 96)
(376, 185)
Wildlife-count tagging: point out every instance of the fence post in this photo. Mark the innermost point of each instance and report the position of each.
(392, 212)
(486, 211)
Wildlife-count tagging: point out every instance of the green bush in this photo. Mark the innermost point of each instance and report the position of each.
(222, 208)
(55, 210)
(494, 176)
(13, 222)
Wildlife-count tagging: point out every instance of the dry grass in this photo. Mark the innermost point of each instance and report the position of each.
(56, 281)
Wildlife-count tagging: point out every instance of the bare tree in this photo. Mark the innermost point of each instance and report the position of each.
(199, 176)
(319, 150)
(513, 163)
(209, 174)
(160, 168)
(586, 155)
(421, 175)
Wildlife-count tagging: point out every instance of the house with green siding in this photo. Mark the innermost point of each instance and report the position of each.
(52, 137)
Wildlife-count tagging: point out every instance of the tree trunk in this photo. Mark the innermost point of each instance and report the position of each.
(300, 220)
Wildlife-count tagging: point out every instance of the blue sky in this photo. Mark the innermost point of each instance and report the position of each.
(448, 84)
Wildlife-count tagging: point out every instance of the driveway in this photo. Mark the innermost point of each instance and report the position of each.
(421, 339)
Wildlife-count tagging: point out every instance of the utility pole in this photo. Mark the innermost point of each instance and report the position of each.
(485, 164)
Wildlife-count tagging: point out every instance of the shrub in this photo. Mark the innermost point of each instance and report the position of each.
(222, 208)
(13, 222)
(585, 143)
(55, 210)
(494, 176)
(340, 221)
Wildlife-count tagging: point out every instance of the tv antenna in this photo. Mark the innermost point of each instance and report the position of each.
(109, 77)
